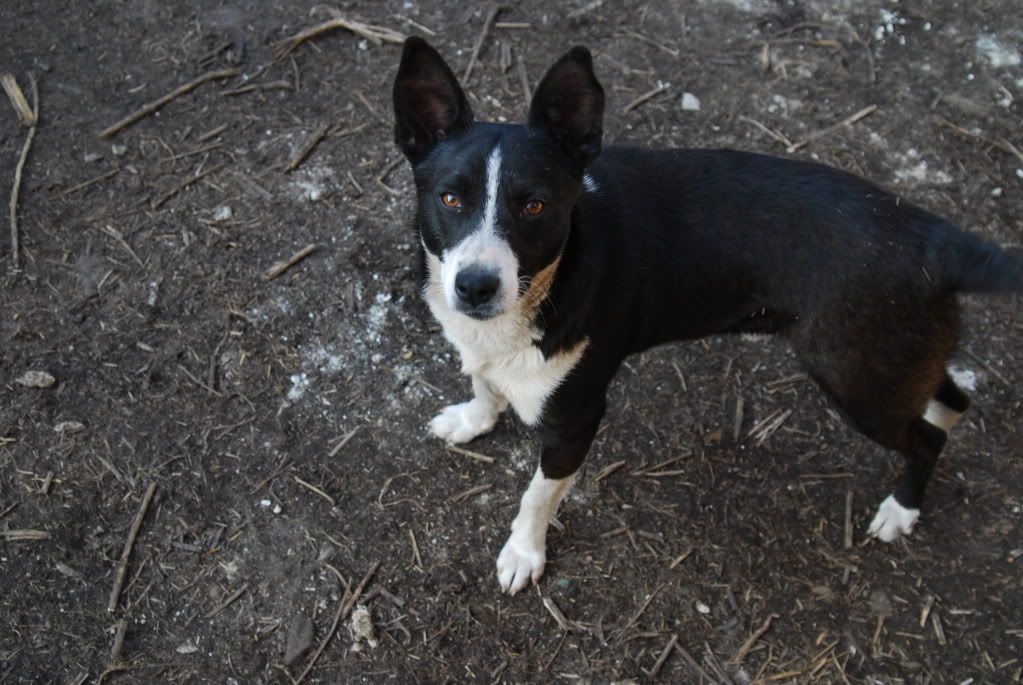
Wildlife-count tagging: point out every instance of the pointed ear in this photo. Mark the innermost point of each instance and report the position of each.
(569, 103)
(429, 105)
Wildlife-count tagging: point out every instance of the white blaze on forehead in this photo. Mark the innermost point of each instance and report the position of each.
(483, 247)
(493, 178)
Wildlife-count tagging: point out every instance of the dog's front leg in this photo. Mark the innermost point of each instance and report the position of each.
(463, 422)
(525, 554)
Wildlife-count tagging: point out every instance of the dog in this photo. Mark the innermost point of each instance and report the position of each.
(548, 260)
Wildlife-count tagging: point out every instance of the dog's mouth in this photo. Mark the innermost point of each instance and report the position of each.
(483, 312)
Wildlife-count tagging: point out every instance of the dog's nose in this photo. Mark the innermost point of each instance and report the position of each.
(476, 286)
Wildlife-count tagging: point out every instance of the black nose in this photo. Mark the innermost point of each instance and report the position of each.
(476, 286)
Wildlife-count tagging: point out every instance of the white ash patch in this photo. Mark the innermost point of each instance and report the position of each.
(520, 460)
(376, 317)
(311, 183)
(889, 21)
(362, 628)
(299, 385)
(912, 170)
(997, 53)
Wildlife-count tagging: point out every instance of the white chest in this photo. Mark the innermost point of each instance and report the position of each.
(502, 352)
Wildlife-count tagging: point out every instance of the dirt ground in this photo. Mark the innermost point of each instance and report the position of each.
(271, 431)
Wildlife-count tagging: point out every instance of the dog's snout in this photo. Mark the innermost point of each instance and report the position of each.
(475, 286)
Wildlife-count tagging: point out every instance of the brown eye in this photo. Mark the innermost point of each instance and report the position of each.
(450, 200)
(533, 207)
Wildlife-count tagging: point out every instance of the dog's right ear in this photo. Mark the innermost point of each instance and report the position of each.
(429, 105)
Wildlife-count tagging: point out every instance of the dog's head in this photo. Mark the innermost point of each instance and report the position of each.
(494, 200)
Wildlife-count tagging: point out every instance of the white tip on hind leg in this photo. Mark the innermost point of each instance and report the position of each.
(892, 520)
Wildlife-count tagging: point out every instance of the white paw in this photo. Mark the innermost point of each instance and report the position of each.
(892, 520)
(518, 563)
(463, 422)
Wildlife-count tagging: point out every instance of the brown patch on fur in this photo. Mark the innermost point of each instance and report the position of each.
(539, 286)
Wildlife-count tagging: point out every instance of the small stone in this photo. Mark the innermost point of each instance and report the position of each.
(276, 509)
(300, 638)
(702, 608)
(690, 102)
(223, 213)
(119, 150)
(69, 427)
(91, 157)
(996, 192)
(186, 647)
(265, 503)
(377, 358)
(36, 379)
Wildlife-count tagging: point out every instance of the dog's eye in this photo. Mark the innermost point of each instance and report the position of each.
(451, 200)
(533, 207)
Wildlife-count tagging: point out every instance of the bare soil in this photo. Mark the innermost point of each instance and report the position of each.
(282, 421)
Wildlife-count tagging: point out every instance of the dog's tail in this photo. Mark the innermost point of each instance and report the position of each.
(970, 264)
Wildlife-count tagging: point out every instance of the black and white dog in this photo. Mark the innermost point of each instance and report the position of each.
(548, 262)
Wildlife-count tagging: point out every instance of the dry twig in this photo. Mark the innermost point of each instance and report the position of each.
(344, 441)
(341, 614)
(228, 602)
(187, 182)
(148, 109)
(1001, 143)
(16, 190)
(471, 492)
(85, 184)
(280, 267)
(487, 25)
(740, 656)
(469, 453)
(661, 87)
(307, 147)
(663, 657)
(129, 544)
(827, 131)
(28, 115)
(376, 34)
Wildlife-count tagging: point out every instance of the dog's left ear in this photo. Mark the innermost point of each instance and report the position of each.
(569, 103)
(429, 105)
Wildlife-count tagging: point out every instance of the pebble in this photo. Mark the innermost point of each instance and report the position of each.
(702, 608)
(36, 379)
(119, 150)
(69, 427)
(300, 638)
(186, 647)
(690, 102)
(223, 213)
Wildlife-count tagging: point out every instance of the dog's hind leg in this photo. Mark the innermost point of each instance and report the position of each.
(459, 423)
(899, 512)
(564, 448)
(883, 363)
